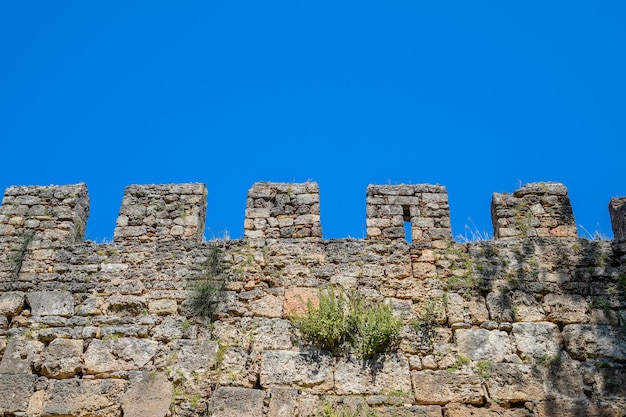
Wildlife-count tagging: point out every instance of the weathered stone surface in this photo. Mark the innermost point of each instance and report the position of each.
(239, 367)
(455, 309)
(515, 383)
(90, 307)
(162, 307)
(11, 303)
(83, 398)
(267, 306)
(563, 378)
(311, 369)
(481, 344)
(408, 411)
(161, 212)
(536, 340)
(500, 306)
(50, 303)
(236, 402)
(149, 395)
(15, 392)
(170, 328)
(126, 305)
(62, 358)
(193, 355)
(566, 309)
(386, 373)
(283, 402)
(609, 383)
(114, 355)
(494, 410)
(617, 211)
(576, 408)
(526, 307)
(21, 356)
(478, 310)
(584, 341)
(442, 387)
(273, 334)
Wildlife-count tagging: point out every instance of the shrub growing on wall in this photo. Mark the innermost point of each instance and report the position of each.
(208, 288)
(345, 322)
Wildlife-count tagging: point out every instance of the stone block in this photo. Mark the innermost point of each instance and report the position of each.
(566, 407)
(311, 369)
(588, 341)
(386, 373)
(494, 410)
(50, 303)
(113, 355)
(283, 402)
(564, 378)
(15, 392)
(62, 358)
(162, 307)
(500, 306)
(455, 308)
(236, 402)
(194, 355)
(483, 345)
(267, 306)
(149, 394)
(515, 383)
(536, 340)
(273, 334)
(240, 367)
(11, 303)
(442, 387)
(76, 397)
(126, 305)
(617, 212)
(171, 328)
(21, 356)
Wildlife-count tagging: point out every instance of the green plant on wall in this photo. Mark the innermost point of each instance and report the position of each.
(21, 252)
(208, 288)
(523, 217)
(427, 320)
(326, 325)
(345, 322)
(461, 268)
(377, 330)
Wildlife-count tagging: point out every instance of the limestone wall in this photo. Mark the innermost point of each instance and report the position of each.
(528, 324)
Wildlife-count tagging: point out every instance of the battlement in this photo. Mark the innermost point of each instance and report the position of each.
(162, 212)
(53, 216)
(160, 322)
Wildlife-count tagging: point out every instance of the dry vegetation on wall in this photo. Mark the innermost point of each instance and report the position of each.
(283, 323)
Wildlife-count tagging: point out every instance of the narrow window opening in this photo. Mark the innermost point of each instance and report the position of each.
(406, 215)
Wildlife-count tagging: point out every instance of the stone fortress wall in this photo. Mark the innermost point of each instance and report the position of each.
(530, 323)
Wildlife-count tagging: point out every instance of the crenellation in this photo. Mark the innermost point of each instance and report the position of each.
(527, 325)
(424, 207)
(56, 215)
(535, 210)
(151, 213)
(283, 211)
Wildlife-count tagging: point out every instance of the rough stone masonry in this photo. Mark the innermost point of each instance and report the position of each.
(531, 323)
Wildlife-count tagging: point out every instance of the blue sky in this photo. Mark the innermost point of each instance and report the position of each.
(480, 97)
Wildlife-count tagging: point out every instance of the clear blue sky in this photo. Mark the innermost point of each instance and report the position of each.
(477, 96)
